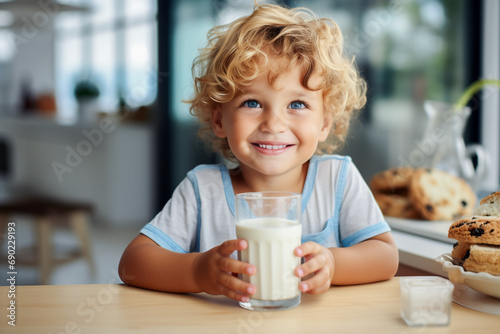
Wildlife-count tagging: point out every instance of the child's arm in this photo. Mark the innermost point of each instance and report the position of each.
(147, 265)
(372, 260)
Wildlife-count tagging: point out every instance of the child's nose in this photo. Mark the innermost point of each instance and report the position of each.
(274, 121)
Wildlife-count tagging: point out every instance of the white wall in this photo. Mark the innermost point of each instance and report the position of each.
(115, 175)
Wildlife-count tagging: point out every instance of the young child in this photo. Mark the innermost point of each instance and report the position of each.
(273, 91)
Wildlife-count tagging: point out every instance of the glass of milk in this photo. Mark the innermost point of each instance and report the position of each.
(270, 223)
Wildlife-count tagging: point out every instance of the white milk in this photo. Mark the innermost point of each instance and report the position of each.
(271, 242)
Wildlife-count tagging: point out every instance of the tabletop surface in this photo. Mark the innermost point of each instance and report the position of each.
(114, 308)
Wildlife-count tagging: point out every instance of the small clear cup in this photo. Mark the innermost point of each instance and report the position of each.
(426, 300)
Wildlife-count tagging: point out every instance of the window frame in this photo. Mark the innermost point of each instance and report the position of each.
(118, 25)
(490, 120)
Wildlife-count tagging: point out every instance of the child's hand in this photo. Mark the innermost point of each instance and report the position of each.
(318, 261)
(214, 269)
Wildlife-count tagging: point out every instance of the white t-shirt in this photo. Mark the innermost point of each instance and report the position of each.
(338, 208)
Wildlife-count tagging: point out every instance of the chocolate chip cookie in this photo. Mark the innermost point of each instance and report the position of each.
(396, 206)
(460, 250)
(483, 258)
(476, 230)
(438, 195)
(490, 205)
(394, 180)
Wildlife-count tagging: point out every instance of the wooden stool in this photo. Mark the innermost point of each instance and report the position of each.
(46, 213)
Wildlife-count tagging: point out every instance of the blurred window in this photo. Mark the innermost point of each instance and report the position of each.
(408, 52)
(113, 45)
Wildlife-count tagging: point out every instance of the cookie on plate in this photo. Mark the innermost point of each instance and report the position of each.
(394, 180)
(460, 250)
(438, 195)
(483, 258)
(476, 230)
(490, 205)
(396, 206)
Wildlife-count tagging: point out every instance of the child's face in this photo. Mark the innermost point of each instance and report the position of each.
(274, 130)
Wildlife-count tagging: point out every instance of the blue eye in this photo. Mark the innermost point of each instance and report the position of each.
(251, 104)
(297, 105)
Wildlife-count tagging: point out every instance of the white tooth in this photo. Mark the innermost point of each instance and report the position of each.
(272, 147)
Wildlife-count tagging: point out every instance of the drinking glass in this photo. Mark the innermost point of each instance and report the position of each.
(270, 223)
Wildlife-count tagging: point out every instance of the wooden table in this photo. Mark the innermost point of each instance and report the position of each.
(101, 308)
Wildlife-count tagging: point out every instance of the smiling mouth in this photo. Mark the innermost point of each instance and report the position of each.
(271, 147)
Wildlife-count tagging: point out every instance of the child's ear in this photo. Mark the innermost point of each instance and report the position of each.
(217, 123)
(326, 127)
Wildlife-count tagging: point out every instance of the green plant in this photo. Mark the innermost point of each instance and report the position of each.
(473, 89)
(86, 89)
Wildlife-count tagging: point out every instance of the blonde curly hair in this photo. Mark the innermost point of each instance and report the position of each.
(238, 52)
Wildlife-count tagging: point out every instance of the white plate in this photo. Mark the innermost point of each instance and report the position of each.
(482, 282)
